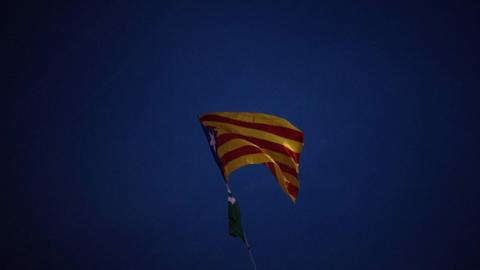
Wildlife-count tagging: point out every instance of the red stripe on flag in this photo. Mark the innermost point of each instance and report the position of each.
(244, 150)
(277, 130)
(293, 190)
(287, 169)
(283, 168)
(247, 150)
(223, 138)
(272, 168)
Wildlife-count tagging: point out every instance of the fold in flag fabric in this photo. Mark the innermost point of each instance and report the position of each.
(238, 139)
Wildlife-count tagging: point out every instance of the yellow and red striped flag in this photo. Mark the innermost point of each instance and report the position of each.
(238, 139)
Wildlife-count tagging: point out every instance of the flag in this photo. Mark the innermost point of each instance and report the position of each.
(238, 139)
(234, 220)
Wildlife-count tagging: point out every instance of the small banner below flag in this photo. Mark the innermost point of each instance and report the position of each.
(234, 219)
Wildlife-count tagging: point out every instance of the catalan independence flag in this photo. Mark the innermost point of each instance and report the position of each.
(238, 139)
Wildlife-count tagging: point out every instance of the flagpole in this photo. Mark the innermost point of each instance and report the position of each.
(252, 259)
(249, 248)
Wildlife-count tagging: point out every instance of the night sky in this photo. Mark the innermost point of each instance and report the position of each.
(107, 167)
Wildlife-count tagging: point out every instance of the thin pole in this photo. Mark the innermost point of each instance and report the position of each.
(249, 248)
(252, 259)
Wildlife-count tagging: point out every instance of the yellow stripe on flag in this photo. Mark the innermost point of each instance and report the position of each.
(255, 133)
(237, 143)
(260, 158)
(260, 118)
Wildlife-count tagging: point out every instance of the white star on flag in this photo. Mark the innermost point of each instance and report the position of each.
(212, 142)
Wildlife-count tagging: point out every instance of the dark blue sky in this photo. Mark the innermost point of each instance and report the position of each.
(108, 168)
